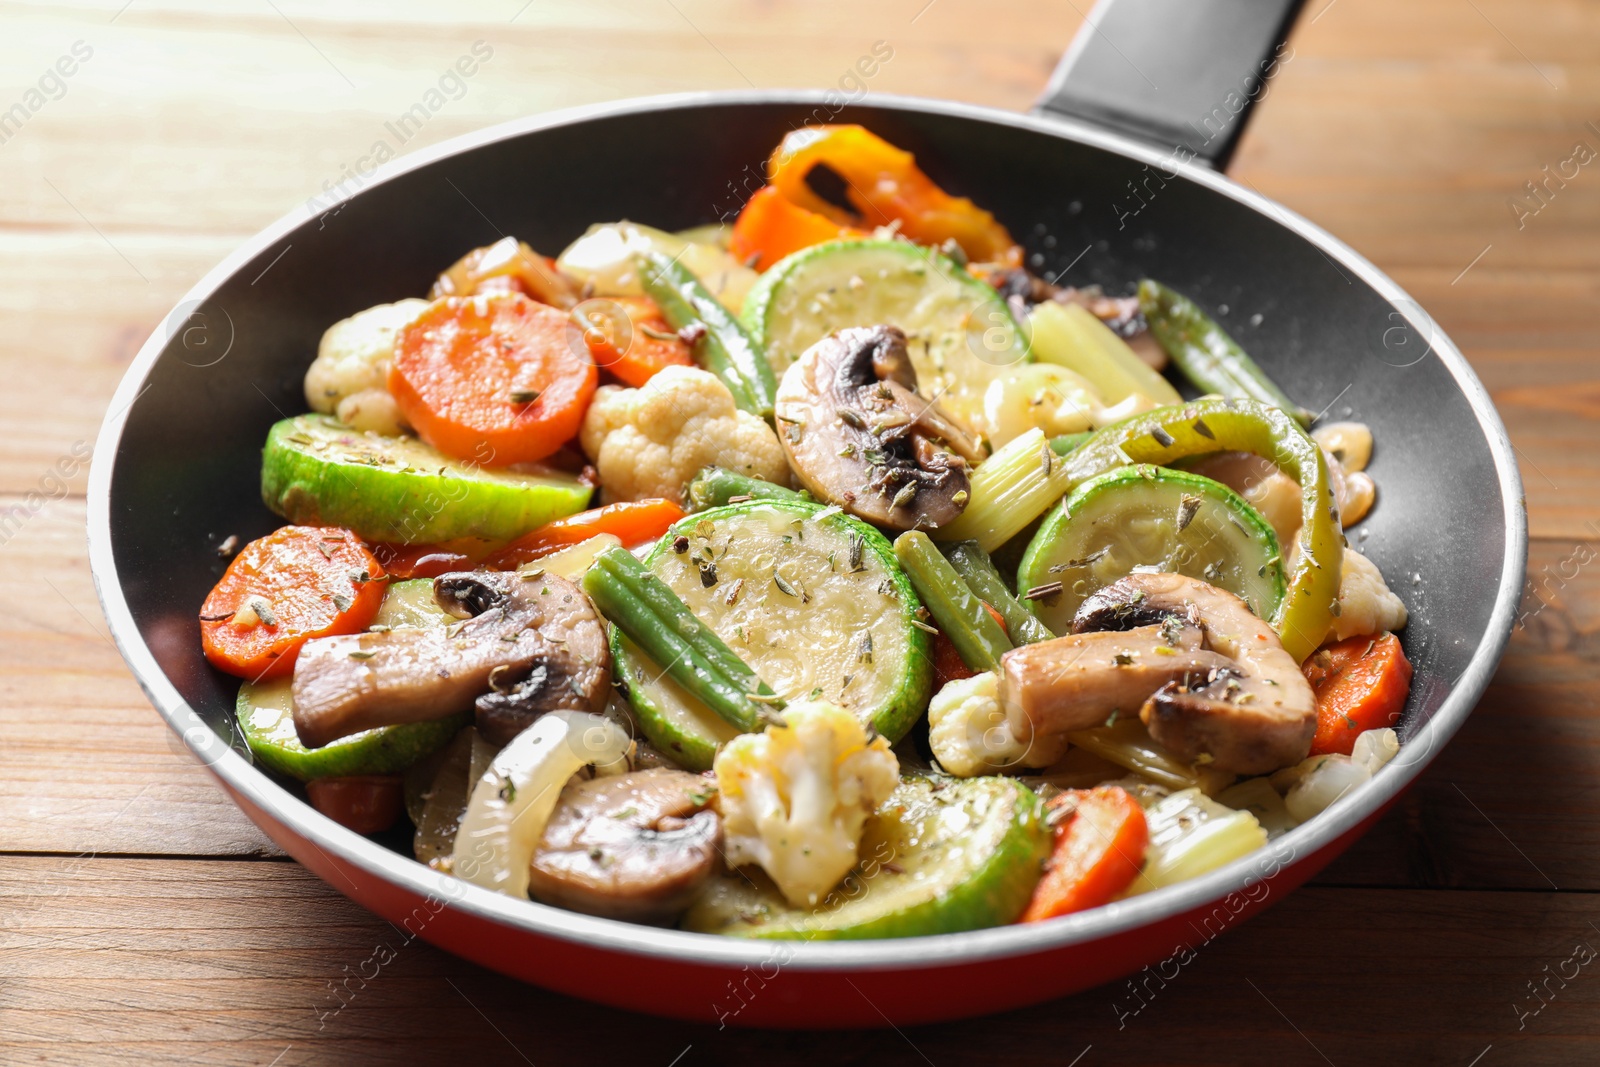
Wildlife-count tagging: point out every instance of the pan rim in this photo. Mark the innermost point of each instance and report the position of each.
(694, 949)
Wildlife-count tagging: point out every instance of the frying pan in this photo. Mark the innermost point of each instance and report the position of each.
(1111, 179)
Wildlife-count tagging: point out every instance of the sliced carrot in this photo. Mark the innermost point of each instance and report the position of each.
(634, 522)
(628, 336)
(279, 592)
(366, 803)
(494, 369)
(771, 226)
(1099, 850)
(1361, 684)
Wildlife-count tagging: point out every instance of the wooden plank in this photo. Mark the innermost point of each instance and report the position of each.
(85, 762)
(232, 962)
(268, 106)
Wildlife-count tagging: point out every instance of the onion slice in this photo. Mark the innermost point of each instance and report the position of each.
(512, 802)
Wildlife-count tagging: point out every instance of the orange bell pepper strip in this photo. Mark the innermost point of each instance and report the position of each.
(770, 227)
(884, 185)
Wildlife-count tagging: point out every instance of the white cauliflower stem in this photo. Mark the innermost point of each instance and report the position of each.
(971, 734)
(649, 442)
(795, 798)
(349, 378)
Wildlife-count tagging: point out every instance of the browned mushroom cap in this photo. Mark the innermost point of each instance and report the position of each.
(633, 846)
(527, 644)
(1253, 715)
(1078, 681)
(858, 434)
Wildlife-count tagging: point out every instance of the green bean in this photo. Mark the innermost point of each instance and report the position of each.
(716, 486)
(961, 615)
(724, 348)
(655, 619)
(1063, 444)
(1205, 353)
(975, 567)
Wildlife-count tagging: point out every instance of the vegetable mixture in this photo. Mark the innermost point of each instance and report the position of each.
(828, 575)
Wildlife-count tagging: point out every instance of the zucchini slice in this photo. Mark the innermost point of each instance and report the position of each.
(265, 712)
(1156, 518)
(812, 599)
(316, 470)
(960, 333)
(410, 605)
(940, 857)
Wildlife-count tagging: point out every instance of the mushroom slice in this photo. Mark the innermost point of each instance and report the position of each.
(1081, 680)
(631, 846)
(858, 434)
(527, 644)
(512, 802)
(1254, 714)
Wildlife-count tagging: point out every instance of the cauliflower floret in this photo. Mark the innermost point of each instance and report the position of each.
(795, 797)
(349, 378)
(971, 734)
(649, 442)
(1366, 605)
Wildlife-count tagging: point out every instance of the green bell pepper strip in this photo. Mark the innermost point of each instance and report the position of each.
(979, 640)
(1205, 353)
(654, 618)
(1168, 434)
(978, 571)
(725, 349)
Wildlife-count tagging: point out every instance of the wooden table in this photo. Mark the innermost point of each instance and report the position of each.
(143, 919)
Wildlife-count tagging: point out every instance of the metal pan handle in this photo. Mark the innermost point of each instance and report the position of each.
(1178, 74)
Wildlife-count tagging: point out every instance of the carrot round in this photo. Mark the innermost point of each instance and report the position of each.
(1361, 684)
(496, 370)
(634, 522)
(1099, 850)
(279, 592)
(771, 226)
(628, 336)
